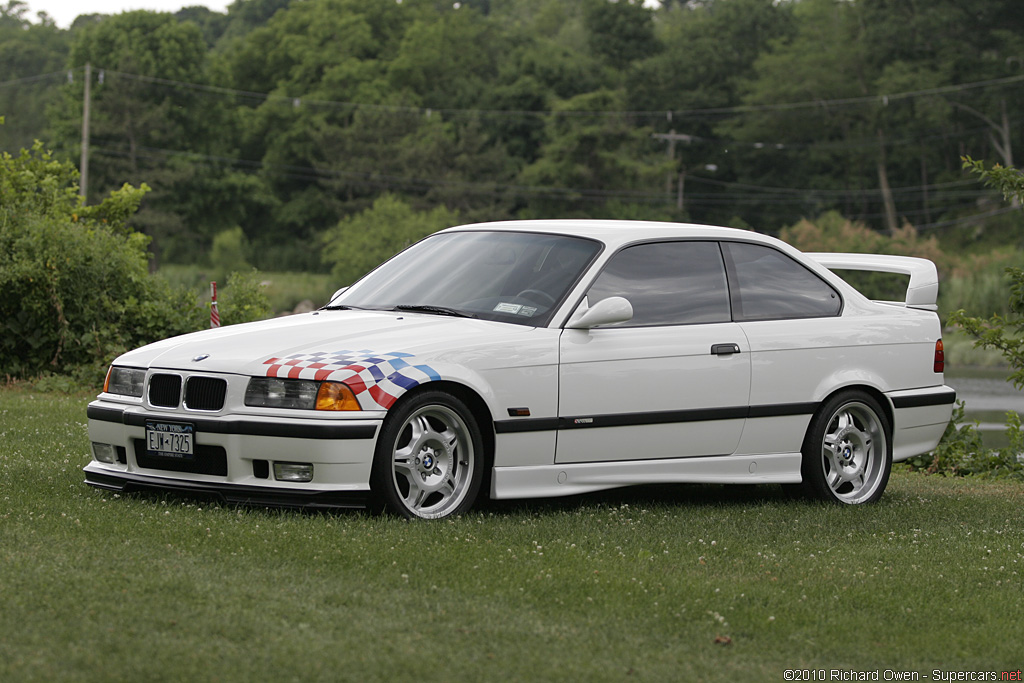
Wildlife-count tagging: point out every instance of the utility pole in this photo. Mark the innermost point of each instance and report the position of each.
(86, 105)
(673, 137)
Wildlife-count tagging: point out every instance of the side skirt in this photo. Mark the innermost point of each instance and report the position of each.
(545, 481)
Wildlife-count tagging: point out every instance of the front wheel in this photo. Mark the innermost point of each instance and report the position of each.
(847, 453)
(429, 458)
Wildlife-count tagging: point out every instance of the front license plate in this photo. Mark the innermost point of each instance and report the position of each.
(170, 439)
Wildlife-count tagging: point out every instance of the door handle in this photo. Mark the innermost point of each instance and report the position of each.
(725, 349)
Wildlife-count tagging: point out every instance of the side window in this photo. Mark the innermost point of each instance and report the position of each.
(668, 283)
(772, 286)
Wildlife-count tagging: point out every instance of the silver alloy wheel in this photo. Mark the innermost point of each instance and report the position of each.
(853, 453)
(432, 462)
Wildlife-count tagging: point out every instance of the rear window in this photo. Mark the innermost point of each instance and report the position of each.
(772, 286)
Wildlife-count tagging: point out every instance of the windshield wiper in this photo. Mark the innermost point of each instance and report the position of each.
(343, 307)
(439, 310)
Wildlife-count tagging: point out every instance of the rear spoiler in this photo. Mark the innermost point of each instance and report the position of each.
(923, 290)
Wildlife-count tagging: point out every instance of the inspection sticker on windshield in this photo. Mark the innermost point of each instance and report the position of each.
(527, 310)
(508, 308)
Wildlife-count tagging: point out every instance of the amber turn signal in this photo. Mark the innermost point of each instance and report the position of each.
(335, 396)
(939, 362)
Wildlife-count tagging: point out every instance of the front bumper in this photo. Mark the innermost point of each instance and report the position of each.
(235, 455)
(233, 494)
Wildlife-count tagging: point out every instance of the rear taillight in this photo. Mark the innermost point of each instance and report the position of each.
(940, 357)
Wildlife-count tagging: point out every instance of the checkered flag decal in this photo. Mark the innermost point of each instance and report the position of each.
(379, 377)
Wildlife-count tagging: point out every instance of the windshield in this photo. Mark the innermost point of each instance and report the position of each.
(516, 277)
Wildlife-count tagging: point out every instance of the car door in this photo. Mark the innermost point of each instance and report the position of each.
(798, 340)
(673, 381)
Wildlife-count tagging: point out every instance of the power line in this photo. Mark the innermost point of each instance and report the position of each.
(32, 79)
(884, 99)
(736, 193)
(298, 100)
(733, 193)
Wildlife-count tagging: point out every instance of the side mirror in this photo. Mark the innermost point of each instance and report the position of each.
(614, 309)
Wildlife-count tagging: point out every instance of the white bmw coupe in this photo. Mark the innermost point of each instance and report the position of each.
(543, 358)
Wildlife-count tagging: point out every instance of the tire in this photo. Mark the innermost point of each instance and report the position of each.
(847, 453)
(429, 458)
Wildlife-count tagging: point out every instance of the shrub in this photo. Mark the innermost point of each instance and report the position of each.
(962, 453)
(244, 299)
(75, 279)
(76, 295)
(832, 232)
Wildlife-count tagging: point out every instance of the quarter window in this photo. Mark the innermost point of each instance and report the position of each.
(667, 283)
(769, 285)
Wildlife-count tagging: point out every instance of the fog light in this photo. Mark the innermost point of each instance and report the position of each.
(104, 452)
(293, 471)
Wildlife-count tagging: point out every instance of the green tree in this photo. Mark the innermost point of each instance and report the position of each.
(211, 24)
(315, 158)
(30, 55)
(708, 57)
(323, 160)
(867, 107)
(588, 160)
(820, 147)
(362, 242)
(1005, 334)
(446, 60)
(230, 252)
(151, 123)
(964, 43)
(245, 16)
(620, 32)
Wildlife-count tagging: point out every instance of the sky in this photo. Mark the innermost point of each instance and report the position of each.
(65, 11)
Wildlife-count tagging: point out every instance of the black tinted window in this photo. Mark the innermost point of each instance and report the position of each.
(772, 286)
(668, 283)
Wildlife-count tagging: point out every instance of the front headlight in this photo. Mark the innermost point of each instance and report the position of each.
(270, 392)
(125, 381)
(301, 394)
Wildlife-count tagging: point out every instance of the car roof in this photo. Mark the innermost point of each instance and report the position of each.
(617, 232)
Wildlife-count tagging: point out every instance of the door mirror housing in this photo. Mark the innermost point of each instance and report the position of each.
(614, 309)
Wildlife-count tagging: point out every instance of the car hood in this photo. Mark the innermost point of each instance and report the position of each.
(248, 349)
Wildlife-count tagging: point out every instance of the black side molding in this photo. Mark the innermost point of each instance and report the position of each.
(937, 398)
(542, 424)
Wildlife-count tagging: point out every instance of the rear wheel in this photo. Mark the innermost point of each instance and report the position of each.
(429, 458)
(847, 453)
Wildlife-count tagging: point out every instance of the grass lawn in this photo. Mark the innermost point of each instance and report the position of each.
(636, 584)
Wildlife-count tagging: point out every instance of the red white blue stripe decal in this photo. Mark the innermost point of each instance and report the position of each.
(377, 379)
